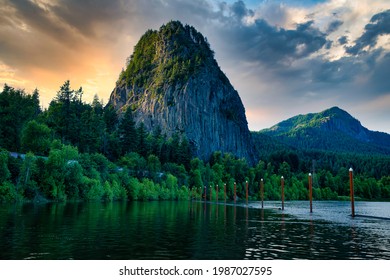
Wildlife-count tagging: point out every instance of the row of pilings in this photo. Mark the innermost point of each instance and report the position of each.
(310, 186)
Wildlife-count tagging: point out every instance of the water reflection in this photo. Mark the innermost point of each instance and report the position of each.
(187, 230)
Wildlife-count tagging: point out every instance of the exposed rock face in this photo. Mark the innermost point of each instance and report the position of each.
(181, 89)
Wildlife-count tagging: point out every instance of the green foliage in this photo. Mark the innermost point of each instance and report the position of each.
(134, 188)
(26, 183)
(4, 171)
(36, 138)
(149, 190)
(331, 130)
(16, 109)
(127, 133)
(89, 158)
(7, 192)
(108, 194)
(140, 64)
(196, 179)
(95, 190)
(73, 180)
(77, 123)
(168, 56)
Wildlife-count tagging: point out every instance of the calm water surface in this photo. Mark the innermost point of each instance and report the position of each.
(194, 230)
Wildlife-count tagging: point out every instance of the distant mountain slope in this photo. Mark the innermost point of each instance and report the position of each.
(332, 130)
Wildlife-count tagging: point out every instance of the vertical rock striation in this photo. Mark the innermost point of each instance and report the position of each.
(173, 82)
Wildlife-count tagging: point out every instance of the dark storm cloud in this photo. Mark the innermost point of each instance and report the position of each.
(271, 45)
(83, 15)
(379, 25)
(343, 40)
(333, 26)
(74, 23)
(292, 55)
(239, 10)
(37, 17)
(380, 75)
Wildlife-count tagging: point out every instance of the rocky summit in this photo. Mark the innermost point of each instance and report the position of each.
(172, 81)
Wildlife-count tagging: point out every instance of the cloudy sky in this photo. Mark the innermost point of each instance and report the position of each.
(283, 57)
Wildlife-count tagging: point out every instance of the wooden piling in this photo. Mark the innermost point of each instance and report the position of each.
(224, 191)
(262, 192)
(211, 195)
(246, 192)
(216, 198)
(311, 193)
(282, 183)
(352, 195)
(235, 190)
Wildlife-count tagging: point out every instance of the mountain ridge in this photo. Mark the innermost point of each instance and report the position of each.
(332, 129)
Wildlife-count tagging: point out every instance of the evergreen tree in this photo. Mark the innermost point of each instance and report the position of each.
(127, 133)
(16, 108)
(110, 119)
(184, 153)
(142, 140)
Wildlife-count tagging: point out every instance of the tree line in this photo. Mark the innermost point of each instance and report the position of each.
(75, 150)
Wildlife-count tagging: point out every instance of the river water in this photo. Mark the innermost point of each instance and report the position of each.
(194, 230)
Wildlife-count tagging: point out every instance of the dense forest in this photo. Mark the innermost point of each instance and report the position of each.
(78, 151)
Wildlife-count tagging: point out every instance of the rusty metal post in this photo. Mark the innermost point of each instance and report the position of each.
(352, 191)
(311, 192)
(217, 194)
(246, 192)
(211, 195)
(282, 183)
(235, 190)
(262, 192)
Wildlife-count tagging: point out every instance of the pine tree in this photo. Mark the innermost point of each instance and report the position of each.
(142, 142)
(127, 133)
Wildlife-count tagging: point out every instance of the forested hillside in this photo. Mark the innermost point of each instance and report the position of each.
(76, 150)
(330, 130)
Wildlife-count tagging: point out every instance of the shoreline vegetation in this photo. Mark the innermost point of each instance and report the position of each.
(74, 151)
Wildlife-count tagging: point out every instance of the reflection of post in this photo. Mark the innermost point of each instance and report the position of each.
(311, 193)
(235, 214)
(204, 201)
(282, 226)
(211, 210)
(235, 189)
(282, 182)
(246, 192)
(352, 191)
(224, 213)
(262, 192)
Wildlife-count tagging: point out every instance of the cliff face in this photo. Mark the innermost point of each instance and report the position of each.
(172, 81)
